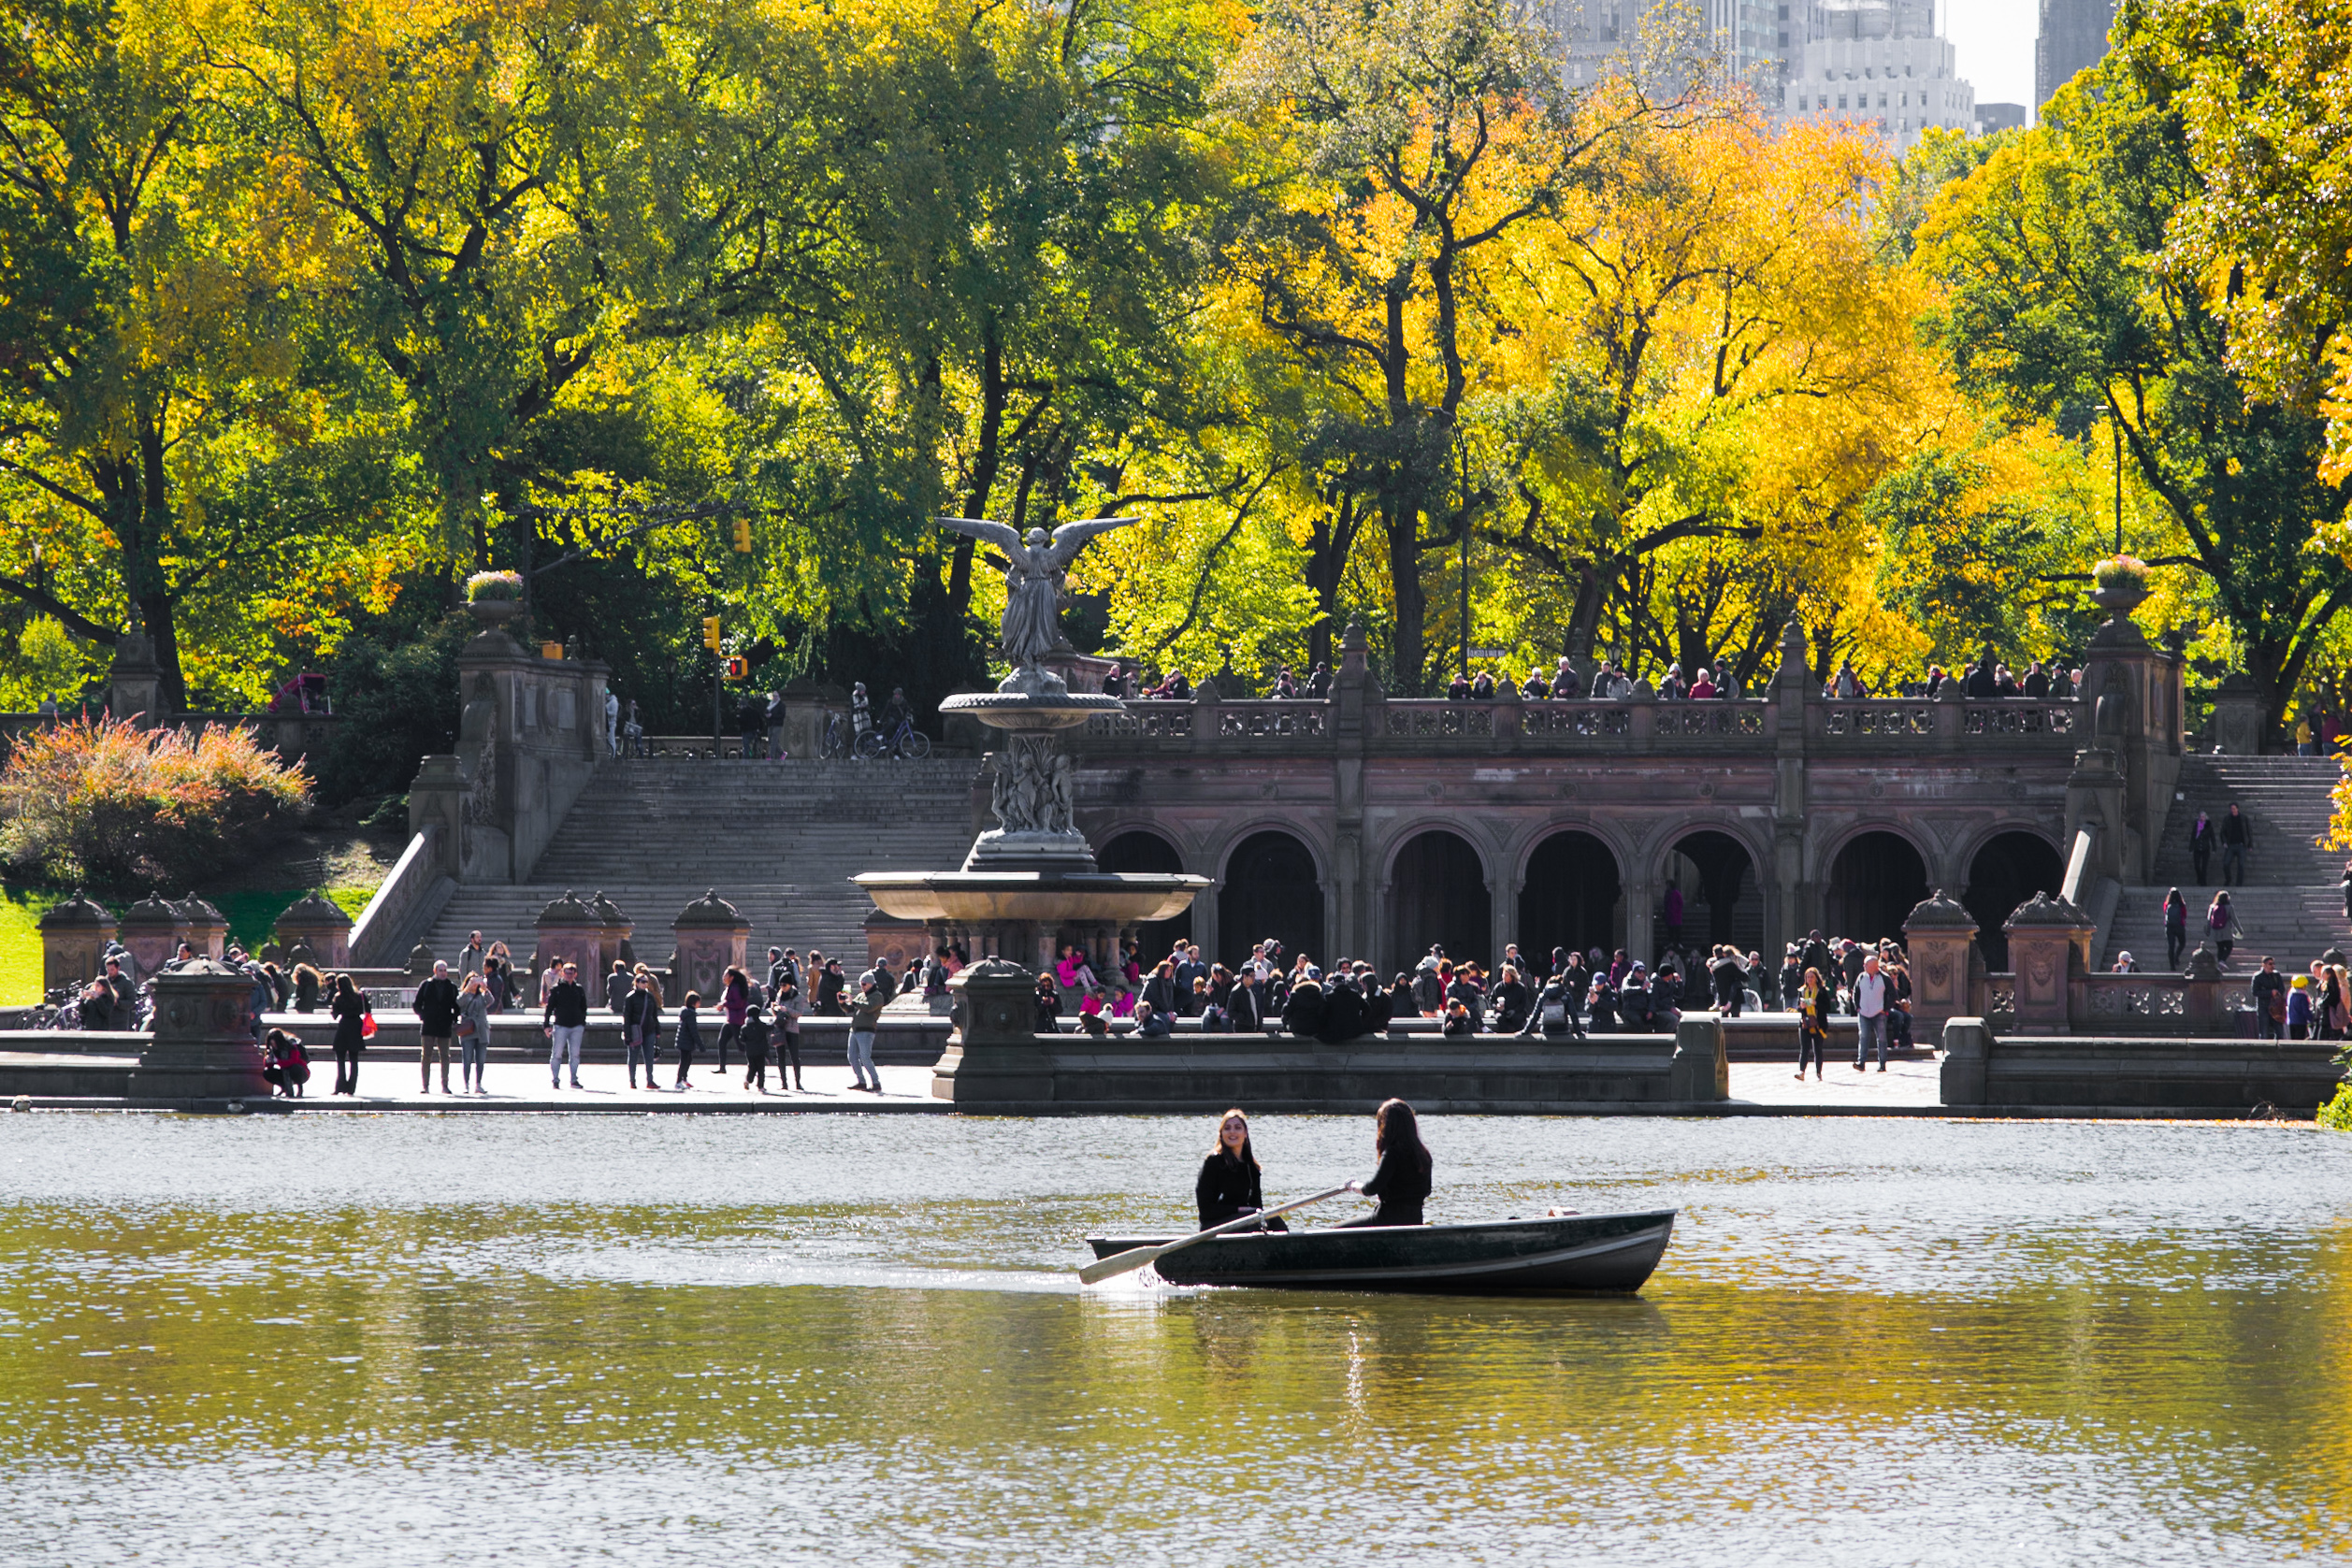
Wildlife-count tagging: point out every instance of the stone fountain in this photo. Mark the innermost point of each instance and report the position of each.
(1031, 880)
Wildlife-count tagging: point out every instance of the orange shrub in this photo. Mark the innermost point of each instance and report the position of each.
(104, 802)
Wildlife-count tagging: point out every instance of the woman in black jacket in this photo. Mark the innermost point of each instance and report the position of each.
(1402, 1183)
(1227, 1187)
(350, 1012)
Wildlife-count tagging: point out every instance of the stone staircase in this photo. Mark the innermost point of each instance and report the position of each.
(779, 840)
(2289, 906)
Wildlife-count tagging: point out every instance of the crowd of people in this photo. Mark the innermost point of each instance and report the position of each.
(1989, 678)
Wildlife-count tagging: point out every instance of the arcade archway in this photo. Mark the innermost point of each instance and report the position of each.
(1573, 897)
(1875, 883)
(1144, 852)
(1439, 893)
(1271, 889)
(2010, 868)
(1723, 899)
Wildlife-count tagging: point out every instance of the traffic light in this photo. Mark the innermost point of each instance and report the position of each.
(743, 535)
(710, 633)
(738, 667)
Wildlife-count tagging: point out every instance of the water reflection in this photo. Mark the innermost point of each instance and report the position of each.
(1871, 1342)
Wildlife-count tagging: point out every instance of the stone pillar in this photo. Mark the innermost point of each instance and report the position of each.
(614, 929)
(74, 937)
(2049, 944)
(2237, 722)
(319, 924)
(1939, 935)
(994, 1054)
(1700, 1069)
(1642, 893)
(710, 935)
(207, 928)
(1966, 1045)
(2205, 1009)
(135, 689)
(153, 930)
(1502, 903)
(571, 929)
(436, 798)
(203, 1052)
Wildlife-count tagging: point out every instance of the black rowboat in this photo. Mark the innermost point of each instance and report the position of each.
(1500, 1257)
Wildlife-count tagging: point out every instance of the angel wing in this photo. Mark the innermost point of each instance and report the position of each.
(981, 529)
(1071, 536)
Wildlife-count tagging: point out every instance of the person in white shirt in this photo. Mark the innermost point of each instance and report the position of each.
(1869, 1012)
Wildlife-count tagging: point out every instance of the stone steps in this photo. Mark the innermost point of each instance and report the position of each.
(2294, 924)
(2286, 799)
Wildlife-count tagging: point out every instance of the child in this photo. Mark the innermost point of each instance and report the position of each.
(2299, 1008)
(689, 1037)
(754, 1049)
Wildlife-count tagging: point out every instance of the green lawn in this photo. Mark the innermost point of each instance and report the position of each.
(249, 914)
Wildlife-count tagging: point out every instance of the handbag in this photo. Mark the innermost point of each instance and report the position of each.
(367, 1026)
(465, 1028)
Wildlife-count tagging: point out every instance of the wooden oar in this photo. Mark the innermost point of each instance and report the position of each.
(1136, 1257)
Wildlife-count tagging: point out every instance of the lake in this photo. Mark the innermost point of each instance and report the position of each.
(410, 1339)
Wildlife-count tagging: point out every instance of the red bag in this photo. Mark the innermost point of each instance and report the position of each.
(367, 1026)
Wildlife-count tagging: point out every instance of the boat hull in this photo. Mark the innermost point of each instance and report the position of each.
(1570, 1254)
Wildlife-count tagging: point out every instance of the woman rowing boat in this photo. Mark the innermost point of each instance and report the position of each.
(1229, 1186)
(1403, 1181)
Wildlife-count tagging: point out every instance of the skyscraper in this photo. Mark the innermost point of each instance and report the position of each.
(2074, 38)
(1879, 64)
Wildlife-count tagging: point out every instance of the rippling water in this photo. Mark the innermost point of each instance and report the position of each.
(841, 1339)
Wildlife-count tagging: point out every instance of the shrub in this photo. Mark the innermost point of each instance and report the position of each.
(2337, 1113)
(493, 586)
(2120, 571)
(102, 802)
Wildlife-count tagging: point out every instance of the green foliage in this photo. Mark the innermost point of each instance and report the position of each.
(102, 802)
(493, 586)
(2337, 1113)
(395, 703)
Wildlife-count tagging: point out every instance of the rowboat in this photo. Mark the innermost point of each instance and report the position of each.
(1612, 1252)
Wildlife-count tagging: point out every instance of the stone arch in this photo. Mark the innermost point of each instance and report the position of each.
(1146, 849)
(1272, 885)
(1721, 877)
(1437, 893)
(1572, 892)
(1876, 874)
(2006, 867)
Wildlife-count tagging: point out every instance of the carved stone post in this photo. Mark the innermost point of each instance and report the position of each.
(152, 929)
(995, 1054)
(317, 923)
(711, 934)
(1939, 935)
(207, 928)
(2202, 1009)
(74, 936)
(571, 929)
(2049, 944)
(203, 1052)
(616, 928)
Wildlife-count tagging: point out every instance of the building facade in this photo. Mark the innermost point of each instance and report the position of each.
(1879, 65)
(2074, 38)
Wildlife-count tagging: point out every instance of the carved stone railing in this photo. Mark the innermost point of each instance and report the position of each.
(2016, 716)
(1273, 720)
(1888, 719)
(1419, 719)
(1566, 719)
(1143, 720)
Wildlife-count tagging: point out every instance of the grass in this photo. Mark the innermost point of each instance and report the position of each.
(249, 912)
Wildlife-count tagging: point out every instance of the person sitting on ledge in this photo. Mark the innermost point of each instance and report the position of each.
(1303, 1014)
(1602, 1005)
(1402, 1184)
(1229, 1187)
(1048, 1005)
(1458, 689)
(1151, 1022)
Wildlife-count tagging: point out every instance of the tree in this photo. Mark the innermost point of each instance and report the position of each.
(2062, 304)
(168, 442)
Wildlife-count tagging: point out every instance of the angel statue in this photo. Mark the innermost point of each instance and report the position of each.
(1033, 579)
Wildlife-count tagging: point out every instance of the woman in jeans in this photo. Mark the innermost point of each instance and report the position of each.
(473, 1032)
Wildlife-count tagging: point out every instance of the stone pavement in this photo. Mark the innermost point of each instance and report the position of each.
(1907, 1088)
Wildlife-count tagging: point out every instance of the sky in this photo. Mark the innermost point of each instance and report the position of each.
(1993, 42)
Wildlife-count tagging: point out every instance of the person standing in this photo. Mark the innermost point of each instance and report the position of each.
(2346, 883)
(437, 1021)
(618, 986)
(613, 722)
(1869, 1013)
(734, 1004)
(787, 1002)
(640, 1027)
(2200, 846)
(564, 1019)
(2221, 925)
(469, 960)
(775, 727)
(2175, 928)
(689, 1037)
(1730, 978)
(865, 1018)
(473, 1032)
(755, 1050)
(2268, 992)
(1813, 997)
(2237, 837)
(351, 1016)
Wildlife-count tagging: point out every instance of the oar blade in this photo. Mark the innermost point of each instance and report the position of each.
(1116, 1263)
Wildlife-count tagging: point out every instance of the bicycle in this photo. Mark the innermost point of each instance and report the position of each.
(834, 747)
(906, 741)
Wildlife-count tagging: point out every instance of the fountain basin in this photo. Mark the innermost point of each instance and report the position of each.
(1032, 713)
(1032, 898)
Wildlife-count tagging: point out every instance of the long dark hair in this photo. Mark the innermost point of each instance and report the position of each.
(1397, 1131)
(1249, 1156)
